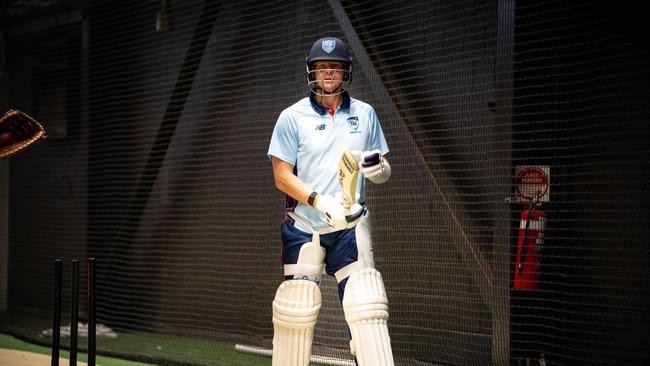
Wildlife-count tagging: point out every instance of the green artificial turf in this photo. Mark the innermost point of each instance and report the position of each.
(133, 345)
(9, 342)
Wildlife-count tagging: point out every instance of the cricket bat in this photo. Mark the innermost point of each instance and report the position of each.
(348, 174)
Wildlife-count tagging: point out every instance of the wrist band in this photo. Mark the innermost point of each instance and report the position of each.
(311, 198)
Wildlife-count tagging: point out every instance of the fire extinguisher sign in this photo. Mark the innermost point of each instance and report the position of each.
(533, 183)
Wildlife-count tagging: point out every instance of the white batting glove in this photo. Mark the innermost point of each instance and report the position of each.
(333, 210)
(354, 214)
(373, 165)
(346, 200)
(355, 210)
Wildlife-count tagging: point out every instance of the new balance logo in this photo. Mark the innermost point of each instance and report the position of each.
(320, 127)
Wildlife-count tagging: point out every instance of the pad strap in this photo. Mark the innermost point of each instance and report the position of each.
(357, 266)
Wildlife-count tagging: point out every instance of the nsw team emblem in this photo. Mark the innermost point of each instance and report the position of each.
(329, 45)
(353, 122)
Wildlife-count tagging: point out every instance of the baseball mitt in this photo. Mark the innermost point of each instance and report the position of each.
(17, 132)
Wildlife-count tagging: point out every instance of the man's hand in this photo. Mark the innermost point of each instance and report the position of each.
(336, 215)
(346, 200)
(333, 210)
(373, 165)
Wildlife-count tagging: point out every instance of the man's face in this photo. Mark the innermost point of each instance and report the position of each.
(329, 74)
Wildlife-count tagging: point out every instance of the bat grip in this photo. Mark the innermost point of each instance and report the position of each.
(347, 203)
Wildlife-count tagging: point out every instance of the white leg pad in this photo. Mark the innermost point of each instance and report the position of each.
(295, 310)
(366, 310)
(310, 265)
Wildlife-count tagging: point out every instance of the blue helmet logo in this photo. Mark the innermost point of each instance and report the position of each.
(329, 45)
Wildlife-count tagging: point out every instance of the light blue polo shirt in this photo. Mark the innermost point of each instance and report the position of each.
(312, 140)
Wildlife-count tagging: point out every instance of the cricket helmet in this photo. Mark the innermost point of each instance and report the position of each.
(329, 49)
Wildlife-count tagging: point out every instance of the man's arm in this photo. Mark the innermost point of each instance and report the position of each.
(288, 182)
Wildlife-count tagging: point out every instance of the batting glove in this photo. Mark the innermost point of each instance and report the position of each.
(355, 210)
(335, 213)
(373, 165)
(333, 210)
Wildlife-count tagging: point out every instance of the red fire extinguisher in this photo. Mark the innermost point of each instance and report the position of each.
(530, 248)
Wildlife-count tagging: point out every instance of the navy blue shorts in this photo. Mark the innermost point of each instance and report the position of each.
(340, 249)
(340, 246)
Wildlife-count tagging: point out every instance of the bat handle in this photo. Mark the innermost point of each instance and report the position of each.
(347, 201)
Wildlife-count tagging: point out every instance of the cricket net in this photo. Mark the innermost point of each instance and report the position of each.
(159, 116)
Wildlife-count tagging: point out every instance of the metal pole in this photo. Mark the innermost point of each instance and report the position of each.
(56, 312)
(91, 312)
(74, 311)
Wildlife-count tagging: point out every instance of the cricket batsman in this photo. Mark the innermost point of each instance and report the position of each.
(318, 146)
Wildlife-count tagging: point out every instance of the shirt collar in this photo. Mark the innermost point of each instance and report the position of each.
(322, 110)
